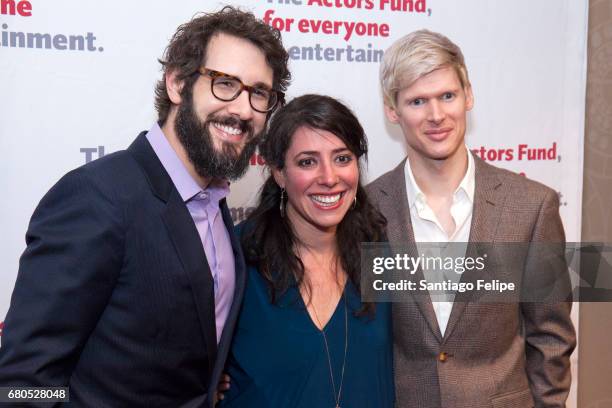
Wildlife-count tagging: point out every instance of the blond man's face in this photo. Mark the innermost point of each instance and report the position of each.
(432, 114)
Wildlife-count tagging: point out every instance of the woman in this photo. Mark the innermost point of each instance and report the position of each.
(304, 338)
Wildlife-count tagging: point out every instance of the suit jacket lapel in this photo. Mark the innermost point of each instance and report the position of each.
(232, 317)
(189, 248)
(240, 271)
(394, 203)
(185, 238)
(489, 197)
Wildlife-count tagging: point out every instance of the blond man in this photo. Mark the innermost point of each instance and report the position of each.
(458, 353)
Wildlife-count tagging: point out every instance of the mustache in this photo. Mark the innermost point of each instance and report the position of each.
(227, 161)
(232, 121)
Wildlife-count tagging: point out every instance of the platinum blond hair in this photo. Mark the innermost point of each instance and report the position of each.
(415, 55)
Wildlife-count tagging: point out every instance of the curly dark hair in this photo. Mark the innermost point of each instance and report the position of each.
(187, 50)
(268, 238)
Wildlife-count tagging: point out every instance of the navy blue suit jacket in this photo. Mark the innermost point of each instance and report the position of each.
(114, 296)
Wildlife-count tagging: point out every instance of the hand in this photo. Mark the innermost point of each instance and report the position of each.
(224, 385)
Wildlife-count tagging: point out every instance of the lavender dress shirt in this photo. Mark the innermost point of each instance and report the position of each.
(203, 205)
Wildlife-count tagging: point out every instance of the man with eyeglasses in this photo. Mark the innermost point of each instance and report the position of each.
(131, 282)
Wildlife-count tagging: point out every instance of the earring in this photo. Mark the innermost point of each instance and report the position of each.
(354, 203)
(282, 203)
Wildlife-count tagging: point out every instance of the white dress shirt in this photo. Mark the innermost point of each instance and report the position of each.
(427, 228)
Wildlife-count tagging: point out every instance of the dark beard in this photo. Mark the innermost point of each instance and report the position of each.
(208, 162)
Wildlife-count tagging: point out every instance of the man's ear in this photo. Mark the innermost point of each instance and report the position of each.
(469, 98)
(279, 177)
(174, 86)
(391, 114)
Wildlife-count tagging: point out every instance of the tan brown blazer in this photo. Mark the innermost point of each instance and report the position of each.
(492, 355)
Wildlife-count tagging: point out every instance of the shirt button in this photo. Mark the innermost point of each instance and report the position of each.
(442, 357)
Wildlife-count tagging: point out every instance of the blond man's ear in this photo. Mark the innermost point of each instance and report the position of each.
(391, 114)
(469, 98)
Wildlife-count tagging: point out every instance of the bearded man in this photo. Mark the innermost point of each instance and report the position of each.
(130, 285)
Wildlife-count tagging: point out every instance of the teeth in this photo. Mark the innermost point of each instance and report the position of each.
(227, 129)
(326, 199)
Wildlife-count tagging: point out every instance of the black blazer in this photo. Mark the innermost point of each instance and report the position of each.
(114, 297)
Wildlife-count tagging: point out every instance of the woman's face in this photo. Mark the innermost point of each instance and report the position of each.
(320, 177)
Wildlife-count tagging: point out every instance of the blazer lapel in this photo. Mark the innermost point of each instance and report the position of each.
(188, 246)
(232, 317)
(186, 240)
(489, 197)
(239, 267)
(394, 204)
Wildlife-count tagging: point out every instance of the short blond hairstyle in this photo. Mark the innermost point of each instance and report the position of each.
(415, 55)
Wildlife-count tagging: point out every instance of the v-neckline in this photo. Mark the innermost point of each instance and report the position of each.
(333, 315)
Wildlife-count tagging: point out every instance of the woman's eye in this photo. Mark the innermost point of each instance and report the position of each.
(344, 158)
(305, 162)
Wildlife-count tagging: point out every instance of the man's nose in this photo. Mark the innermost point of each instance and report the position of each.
(241, 106)
(436, 112)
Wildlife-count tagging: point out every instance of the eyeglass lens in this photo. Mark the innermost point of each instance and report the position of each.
(227, 89)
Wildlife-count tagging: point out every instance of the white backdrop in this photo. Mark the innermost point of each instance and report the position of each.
(77, 78)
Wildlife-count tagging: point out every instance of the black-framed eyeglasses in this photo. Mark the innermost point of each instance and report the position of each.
(227, 87)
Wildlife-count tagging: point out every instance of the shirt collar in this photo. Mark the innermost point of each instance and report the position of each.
(184, 183)
(218, 190)
(467, 184)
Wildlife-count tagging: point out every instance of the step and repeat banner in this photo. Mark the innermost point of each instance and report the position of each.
(77, 80)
